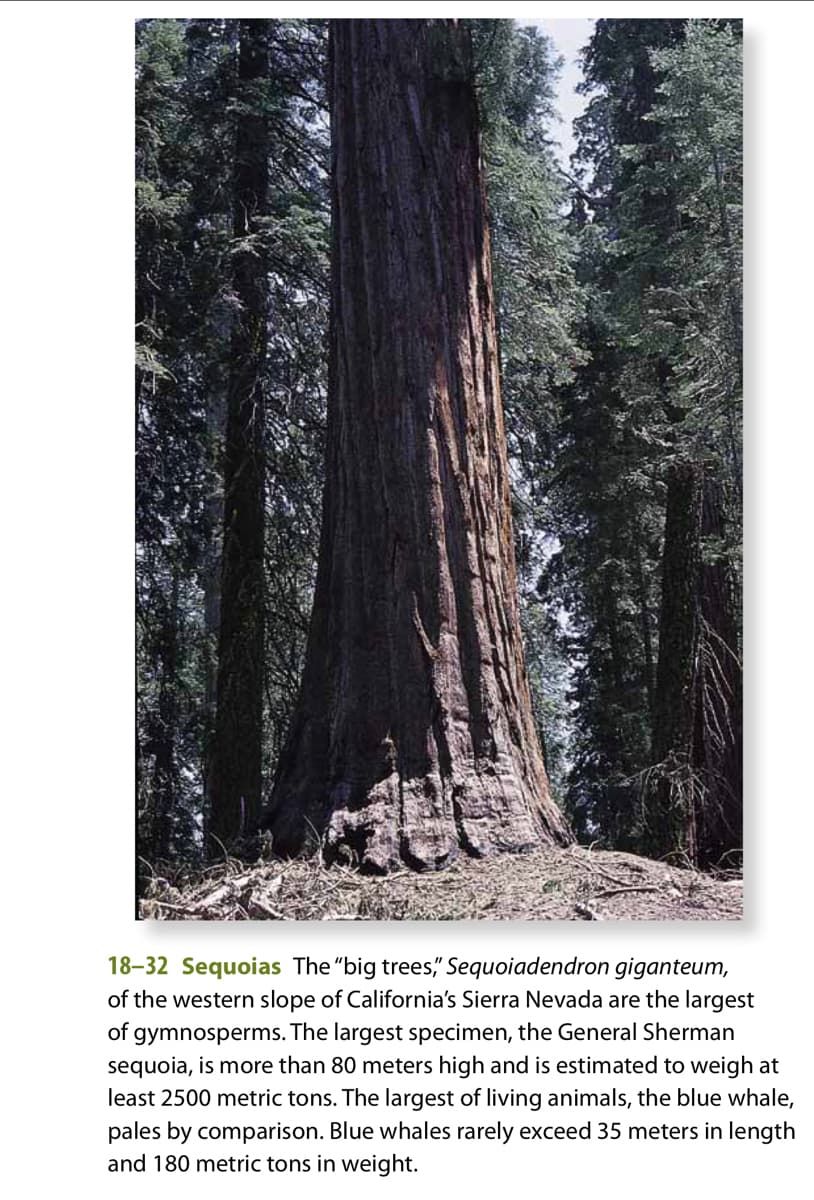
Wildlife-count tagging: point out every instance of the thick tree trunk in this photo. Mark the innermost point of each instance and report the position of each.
(697, 738)
(413, 734)
(235, 777)
(718, 721)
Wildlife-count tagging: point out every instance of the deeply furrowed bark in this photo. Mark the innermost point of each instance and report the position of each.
(413, 736)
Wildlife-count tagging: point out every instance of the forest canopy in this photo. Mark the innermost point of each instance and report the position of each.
(608, 293)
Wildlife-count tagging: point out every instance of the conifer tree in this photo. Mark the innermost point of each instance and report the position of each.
(413, 735)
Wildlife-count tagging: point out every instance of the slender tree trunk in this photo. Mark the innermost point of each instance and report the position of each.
(644, 621)
(198, 39)
(165, 734)
(413, 735)
(211, 574)
(612, 623)
(212, 567)
(672, 817)
(235, 778)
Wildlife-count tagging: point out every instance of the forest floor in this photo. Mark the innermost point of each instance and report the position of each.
(576, 884)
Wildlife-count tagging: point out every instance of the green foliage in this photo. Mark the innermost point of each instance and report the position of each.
(660, 255)
(187, 104)
(539, 302)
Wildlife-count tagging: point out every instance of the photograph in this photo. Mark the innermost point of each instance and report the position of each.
(451, 851)
(439, 379)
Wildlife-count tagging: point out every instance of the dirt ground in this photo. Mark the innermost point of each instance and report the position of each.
(576, 884)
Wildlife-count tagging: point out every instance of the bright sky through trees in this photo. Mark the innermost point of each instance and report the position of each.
(569, 35)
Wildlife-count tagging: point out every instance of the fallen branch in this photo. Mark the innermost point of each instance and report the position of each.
(271, 914)
(620, 890)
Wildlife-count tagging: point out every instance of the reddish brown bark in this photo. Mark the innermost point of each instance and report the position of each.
(413, 736)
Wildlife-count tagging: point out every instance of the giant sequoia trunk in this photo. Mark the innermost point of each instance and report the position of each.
(413, 735)
(236, 760)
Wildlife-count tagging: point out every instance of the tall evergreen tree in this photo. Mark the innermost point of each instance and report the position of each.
(413, 735)
(171, 469)
(661, 253)
(237, 752)
(696, 316)
(188, 111)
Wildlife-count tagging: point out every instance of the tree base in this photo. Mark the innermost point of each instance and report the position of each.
(422, 824)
